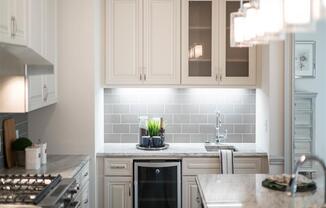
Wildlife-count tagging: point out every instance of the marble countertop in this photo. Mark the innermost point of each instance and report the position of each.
(175, 150)
(246, 191)
(65, 165)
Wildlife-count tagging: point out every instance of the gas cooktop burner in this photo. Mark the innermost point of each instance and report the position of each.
(26, 189)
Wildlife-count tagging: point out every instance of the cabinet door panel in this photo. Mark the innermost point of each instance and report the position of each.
(19, 8)
(50, 88)
(5, 22)
(35, 26)
(35, 92)
(49, 30)
(162, 41)
(237, 65)
(200, 42)
(118, 192)
(124, 41)
(191, 196)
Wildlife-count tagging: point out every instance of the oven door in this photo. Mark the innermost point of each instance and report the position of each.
(157, 184)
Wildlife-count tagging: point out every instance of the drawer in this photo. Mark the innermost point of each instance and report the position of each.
(303, 118)
(117, 167)
(303, 104)
(84, 200)
(195, 166)
(247, 165)
(303, 147)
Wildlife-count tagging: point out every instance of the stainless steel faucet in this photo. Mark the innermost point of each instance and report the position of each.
(303, 159)
(218, 136)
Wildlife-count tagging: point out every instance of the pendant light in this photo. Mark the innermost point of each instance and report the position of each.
(299, 15)
(238, 28)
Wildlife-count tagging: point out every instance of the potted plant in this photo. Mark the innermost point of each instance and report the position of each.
(19, 146)
(154, 128)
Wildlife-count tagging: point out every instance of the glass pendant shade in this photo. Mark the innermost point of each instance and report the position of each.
(271, 19)
(299, 15)
(237, 29)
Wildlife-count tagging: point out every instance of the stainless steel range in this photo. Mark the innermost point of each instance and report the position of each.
(44, 191)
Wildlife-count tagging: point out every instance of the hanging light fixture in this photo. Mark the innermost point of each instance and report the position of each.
(238, 28)
(299, 15)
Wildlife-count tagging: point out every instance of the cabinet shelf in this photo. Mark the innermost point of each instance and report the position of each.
(200, 60)
(199, 28)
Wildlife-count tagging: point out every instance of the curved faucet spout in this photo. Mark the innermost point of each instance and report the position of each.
(303, 159)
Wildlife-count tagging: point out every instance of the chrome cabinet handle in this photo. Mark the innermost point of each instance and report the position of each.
(12, 20)
(118, 166)
(140, 76)
(46, 93)
(86, 174)
(198, 200)
(129, 189)
(86, 201)
(145, 77)
(220, 77)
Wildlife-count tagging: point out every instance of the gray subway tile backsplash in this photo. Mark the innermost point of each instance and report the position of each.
(189, 113)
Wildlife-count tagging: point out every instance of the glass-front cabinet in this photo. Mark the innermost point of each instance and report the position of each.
(200, 41)
(208, 58)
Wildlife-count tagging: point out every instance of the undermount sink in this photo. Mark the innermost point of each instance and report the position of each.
(213, 147)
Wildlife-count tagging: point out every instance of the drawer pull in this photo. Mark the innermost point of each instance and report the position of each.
(118, 166)
(86, 174)
(86, 201)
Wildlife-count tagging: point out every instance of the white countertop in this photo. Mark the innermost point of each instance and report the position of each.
(246, 191)
(175, 150)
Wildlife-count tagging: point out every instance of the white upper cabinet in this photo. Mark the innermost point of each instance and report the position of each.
(123, 46)
(143, 42)
(237, 65)
(29, 23)
(200, 42)
(161, 42)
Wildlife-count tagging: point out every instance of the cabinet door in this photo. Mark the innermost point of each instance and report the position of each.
(123, 32)
(35, 91)
(19, 12)
(49, 89)
(5, 21)
(162, 41)
(191, 197)
(237, 65)
(118, 192)
(35, 26)
(200, 42)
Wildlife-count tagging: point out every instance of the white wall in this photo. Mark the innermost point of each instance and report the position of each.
(270, 106)
(317, 85)
(69, 126)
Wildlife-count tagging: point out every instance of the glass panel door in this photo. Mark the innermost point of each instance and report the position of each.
(200, 39)
(237, 59)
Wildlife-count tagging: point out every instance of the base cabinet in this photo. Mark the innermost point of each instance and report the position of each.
(118, 192)
(190, 194)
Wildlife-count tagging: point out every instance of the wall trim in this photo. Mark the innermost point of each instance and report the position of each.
(276, 160)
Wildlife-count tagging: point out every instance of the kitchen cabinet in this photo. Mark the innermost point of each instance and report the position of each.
(82, 178)
(207, 58)
(13, 21)
(118, 192)
(191, 196)
(24, 88)
(143, 42)
(31, 24)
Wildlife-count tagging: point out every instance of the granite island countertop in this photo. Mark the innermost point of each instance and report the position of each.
(176, 150)
(246, 191)
(65, 165)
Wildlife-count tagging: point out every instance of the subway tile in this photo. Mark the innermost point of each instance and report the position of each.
(189, 128)
(207, 108)
(173, 108)
(134, 129)
(129, 118)
(111, 99)
(181, 118)
(112, 118)
(234, 138)
(173, 128)
(129, 138)
(249, 118)
(120, 128)
(156, 108)
(123, 108)
(138, 108)
(242, 108)
(232, 119)
(108, 128)
(248, 138)
(242, 128)
(198, 138)
(190, 109)
(199, 119)
(112, 138)
(108, 109)
(207, 129)
(182, 138)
